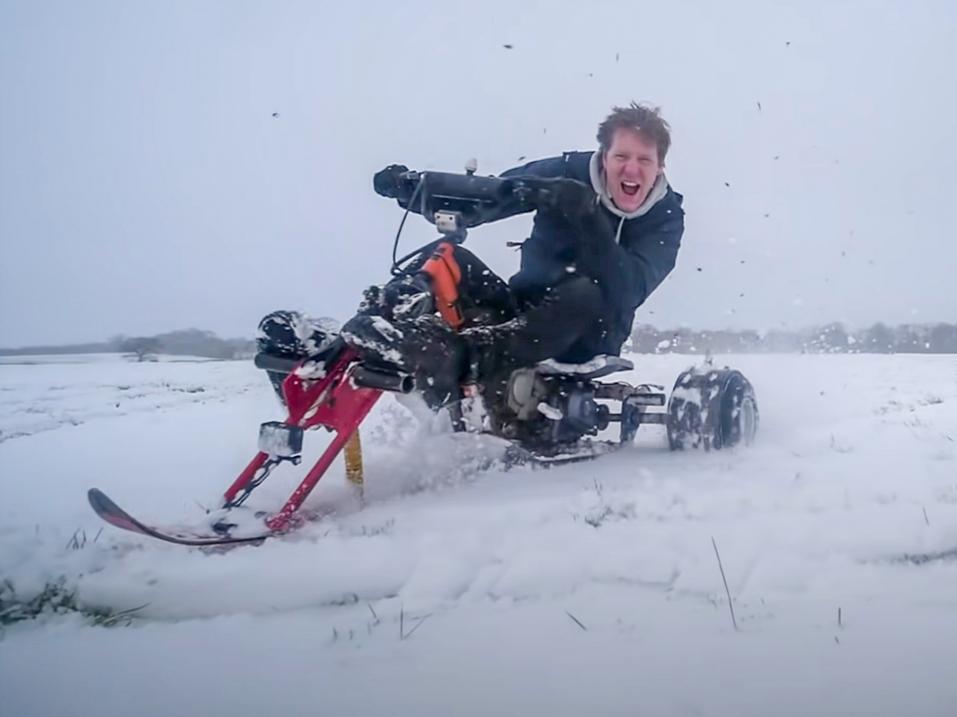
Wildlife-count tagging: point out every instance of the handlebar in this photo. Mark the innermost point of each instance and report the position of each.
(455, 202)
(477, 199)
(480, 199)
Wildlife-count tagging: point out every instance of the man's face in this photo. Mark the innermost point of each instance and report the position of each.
(631, 168)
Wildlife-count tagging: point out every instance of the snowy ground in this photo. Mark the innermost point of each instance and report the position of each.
(586, 589)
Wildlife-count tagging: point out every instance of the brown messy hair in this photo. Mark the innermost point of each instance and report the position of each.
(644, 119)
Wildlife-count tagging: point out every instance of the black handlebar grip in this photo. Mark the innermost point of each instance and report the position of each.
(388, 182)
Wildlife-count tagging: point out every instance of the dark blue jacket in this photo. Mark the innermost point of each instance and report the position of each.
(626, 270)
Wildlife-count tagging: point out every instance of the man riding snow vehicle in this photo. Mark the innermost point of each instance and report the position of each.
(519, 360)
(606, 232)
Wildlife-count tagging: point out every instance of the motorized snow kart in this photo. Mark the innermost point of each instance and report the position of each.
(549, 412)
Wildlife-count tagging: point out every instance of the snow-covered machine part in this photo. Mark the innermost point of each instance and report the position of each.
(553, 406)
(279, 439)
(711, 408)
(552, 411)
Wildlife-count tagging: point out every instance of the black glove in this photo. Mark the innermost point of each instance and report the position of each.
(387, 182)
(568, 198)
(571, 198)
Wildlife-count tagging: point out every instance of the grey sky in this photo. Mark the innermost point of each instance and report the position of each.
(145, 185)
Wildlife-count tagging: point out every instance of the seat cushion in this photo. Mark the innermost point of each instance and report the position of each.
(596, 367)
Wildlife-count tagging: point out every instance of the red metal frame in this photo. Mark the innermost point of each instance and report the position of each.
(333, 402)
(336, 403)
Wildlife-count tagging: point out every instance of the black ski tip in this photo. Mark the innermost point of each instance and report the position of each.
(109, 511)
(100, 501)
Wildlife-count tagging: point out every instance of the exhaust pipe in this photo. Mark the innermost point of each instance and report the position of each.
(383, 380)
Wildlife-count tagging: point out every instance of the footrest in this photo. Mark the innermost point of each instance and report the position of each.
(279, 364)
(280, 439)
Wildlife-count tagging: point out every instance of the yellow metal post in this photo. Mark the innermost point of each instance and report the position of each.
(353, 458)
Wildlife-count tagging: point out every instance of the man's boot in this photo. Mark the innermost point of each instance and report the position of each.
(425, 347)
(294, 335)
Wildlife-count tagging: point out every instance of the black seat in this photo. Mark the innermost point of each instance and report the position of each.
(600, 365)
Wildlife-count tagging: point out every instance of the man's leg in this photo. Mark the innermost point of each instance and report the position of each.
(453, 275)
(396, 326)
(485, 298)
(564, 326)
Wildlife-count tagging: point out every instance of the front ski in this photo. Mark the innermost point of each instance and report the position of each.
(116, 516)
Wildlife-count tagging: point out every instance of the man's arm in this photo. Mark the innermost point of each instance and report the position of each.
(538, 185)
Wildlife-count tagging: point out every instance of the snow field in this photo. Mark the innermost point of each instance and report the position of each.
(591, 586)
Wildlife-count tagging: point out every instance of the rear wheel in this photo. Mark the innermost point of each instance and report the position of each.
(712, 408)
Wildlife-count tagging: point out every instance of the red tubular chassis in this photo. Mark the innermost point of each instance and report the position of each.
(330, 395)
(333, 401)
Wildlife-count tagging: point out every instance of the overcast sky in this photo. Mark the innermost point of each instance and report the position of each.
(145, 184)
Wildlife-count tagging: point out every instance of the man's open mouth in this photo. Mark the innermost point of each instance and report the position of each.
(629, 188)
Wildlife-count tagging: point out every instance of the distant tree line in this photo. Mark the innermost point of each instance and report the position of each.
(187, 342)
(879, 338)
(830, 338)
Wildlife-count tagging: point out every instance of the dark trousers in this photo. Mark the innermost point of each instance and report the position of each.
(569, 323)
